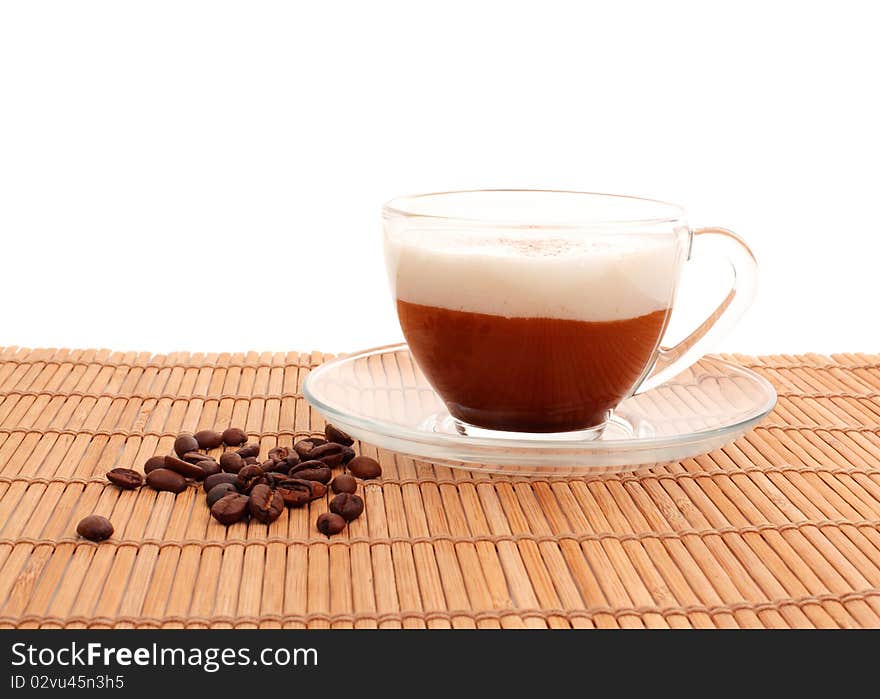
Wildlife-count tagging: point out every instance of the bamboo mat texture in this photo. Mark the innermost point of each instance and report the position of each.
(779, 529)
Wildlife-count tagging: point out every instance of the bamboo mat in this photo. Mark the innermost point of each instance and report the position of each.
(779, 529)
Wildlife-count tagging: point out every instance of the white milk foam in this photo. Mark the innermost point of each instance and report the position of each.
(596, 278)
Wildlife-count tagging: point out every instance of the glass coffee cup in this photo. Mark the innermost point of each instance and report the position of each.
(537, 311)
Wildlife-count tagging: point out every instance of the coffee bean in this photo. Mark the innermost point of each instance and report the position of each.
(347, 455)
(248, 450)
(268, 465)
(230, 508)
(334, 434)
(304, 446)
(344, 484)
(265, 504)
(234, 436)
(347, 506)
(274, 478)
(319, 490)
(219, 491)
(278, 454)
(251, 460)
(287, 463)
(295, 492)
(184, 468)
(231, 462)
(218, 478)
(269, 478)
(153, 463)
(94, 528)
(321, 475)
(125, 478)
(209, 439)
(330, 523)
(330, 454)
(166, 479)
(290, 463)
(185, 443)
(303, 465)
(312, 471)
(365, 467)
(249, 476)
(209, 466)
(194, 457)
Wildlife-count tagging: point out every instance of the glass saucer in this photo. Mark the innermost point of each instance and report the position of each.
(380, 396)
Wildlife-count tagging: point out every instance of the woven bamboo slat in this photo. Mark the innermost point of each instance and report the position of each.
(779, 529)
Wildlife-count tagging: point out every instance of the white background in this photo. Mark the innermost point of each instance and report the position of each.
(208, 175)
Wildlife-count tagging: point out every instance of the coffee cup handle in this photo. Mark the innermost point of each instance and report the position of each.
(709, 243)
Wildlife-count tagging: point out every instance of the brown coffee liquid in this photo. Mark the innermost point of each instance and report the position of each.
(529, 374)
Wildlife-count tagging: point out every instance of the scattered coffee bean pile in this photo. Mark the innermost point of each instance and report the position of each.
(239, 485)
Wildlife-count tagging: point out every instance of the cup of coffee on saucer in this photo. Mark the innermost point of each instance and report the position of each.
(534, 323)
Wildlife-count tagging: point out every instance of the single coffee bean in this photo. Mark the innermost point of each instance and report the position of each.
(268, 465)
(319, 490)
(248, 450)
(94, 528)
(344, 484)
(194, 457)
(125, 478)
(287, 463)
(219, 491)
(312, 471)
(184, 468)
(251, 460)
(218, 478)
(295, 492)
(209, 466)
(270, 479)
(281, 467)
(304, 446)
(334, 434)
(347, 455)
(153, 463)
(166, 479)
(249, 476)
(347, 505)
(303, 465)
(234, 436)
(330, 454)
(209, 439)
(231, 462)
(365, 467)
(322, 475)
(330, 523)
(230, 508)
(265, 504)
(185, 443)
(280, 453)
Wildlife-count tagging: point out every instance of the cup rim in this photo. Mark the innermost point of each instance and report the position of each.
(397, 207)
